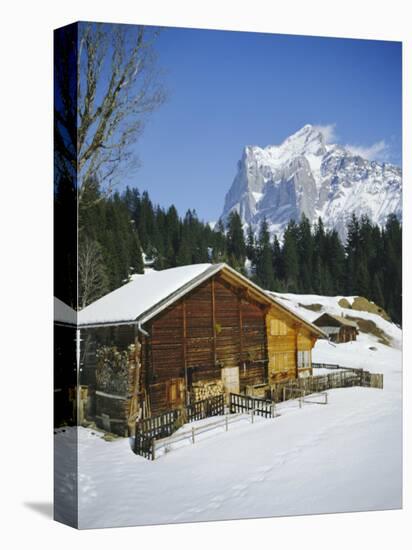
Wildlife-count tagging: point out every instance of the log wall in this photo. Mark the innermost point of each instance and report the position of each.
(212, 327)
(285, 337)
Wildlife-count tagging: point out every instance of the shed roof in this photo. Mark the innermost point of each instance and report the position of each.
(147, 295)
(341, 320)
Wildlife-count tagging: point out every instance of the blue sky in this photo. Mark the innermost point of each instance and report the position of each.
(231, 89)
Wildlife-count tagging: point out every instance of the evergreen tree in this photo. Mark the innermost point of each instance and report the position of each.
(219, 243)
(318, 257)
(352, 255)
(305, 254)
(335, 254)
(264, 262)
(278, 268)
(291, 257)
(376, 290)
(172, 235)
(392, 237)
(250, 244)
(145, 223)
(236, 247)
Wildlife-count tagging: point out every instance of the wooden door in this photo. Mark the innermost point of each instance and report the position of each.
(230, 379)
(175, 393)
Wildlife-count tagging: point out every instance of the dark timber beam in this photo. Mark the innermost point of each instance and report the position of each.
(296, 327)
(184, 351)
(214, 321)
(240, 330)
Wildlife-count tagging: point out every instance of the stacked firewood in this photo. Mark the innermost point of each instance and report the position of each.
(204, 390)
(114, 369)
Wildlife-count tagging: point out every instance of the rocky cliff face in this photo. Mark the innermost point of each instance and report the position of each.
(304, 175)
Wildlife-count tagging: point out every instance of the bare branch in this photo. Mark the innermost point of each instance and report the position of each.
(118, 87)
(93, 281)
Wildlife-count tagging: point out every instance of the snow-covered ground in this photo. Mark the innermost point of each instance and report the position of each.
(344, 456)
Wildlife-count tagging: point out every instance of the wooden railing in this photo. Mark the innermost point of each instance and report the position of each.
(212, 406)
(164, 425)
(155, 427)
(193, 433)
(243, 403)
(344, 377)
(333, 366)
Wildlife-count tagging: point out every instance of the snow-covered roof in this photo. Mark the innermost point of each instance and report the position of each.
(147, 295)
(63, 313)
(132, 300)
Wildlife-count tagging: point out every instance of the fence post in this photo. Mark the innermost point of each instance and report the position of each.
(284, 393)
(253, 415)
(226, 422)
(153, 445)
(326, 398)
(193, 434)
(300, 401)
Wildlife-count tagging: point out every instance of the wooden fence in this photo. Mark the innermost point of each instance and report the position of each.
(212, 406)
(243, 403)
(193, 433)
(366, 379)
(155, 427)
(342, 378)
(164, 425)
(331, 366)
(334, 366)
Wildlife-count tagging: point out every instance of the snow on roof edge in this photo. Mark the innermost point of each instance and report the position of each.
(64, 313)
(132, 301)
(297, 315)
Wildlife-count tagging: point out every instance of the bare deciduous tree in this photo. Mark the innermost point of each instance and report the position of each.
(118, 85)
(93, 281)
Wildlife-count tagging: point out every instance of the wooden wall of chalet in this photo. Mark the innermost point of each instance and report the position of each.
(306, 341)
(212, 327)
(285, 338)
(345, 334)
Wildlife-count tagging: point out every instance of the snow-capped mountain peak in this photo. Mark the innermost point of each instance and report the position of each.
(304, 174)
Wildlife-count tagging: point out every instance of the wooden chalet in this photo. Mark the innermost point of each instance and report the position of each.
(170, 337)
(338, 328)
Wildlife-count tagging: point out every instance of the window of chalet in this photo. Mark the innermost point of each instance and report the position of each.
(278, 327)
(303, 359)
(283, 361)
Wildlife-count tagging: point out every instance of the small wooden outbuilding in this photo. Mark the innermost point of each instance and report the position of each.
(170, 337)
(338, 328)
